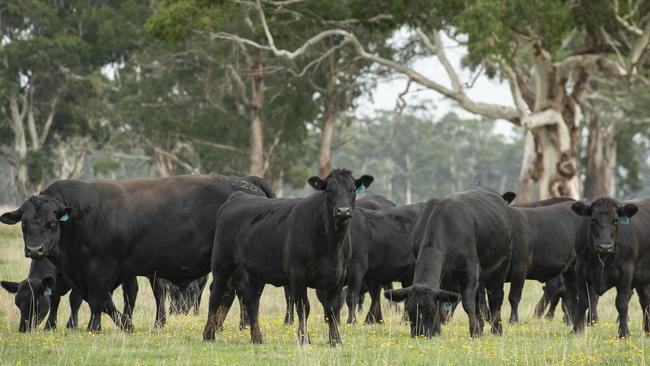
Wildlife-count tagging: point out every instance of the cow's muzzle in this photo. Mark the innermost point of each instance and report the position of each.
(34, 253)
(343, 213)
(605, 248)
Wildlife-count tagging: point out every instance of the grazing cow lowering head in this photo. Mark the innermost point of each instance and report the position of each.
(606, 214)
(32, 300)
(42, 219)
(341, 189)
(422, 305)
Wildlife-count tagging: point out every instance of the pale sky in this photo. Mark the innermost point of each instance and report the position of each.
(384, 96)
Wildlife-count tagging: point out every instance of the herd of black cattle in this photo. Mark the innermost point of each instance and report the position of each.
(90, 237)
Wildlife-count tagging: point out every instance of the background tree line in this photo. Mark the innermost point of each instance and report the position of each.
(272, 88)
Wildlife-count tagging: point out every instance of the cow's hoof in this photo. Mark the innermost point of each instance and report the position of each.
(49, 326)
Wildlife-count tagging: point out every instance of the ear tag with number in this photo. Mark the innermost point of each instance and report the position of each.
(47, 292)
(361, 189)
(624, 220)
(447, 306)
(64, 217)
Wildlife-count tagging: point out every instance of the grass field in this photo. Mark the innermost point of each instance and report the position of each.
(533, 342)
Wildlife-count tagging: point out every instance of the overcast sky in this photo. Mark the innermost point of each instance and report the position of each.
(384, 96)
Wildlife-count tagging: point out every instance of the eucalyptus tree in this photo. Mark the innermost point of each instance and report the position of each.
(547, 51)
(49, 52)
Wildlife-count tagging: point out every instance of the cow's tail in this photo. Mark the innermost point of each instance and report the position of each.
(263, 185)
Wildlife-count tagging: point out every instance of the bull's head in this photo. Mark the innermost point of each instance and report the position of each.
(42, 218)
(605, 215)
(341, 190)
(423, 305)
(32, 299)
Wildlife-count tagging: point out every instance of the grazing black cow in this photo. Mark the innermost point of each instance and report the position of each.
(382, 252)
(465, 239)
(302, 242)
(183, 300)
(613, 249)
(543, 240)
(41, 293)
(98, 233)
(367, 201)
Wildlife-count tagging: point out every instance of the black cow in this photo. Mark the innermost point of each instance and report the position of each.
(98, 233)
(302, 242)
(41, 293)
(613, 248)
(465, 239)
(382, 252)
(554, 290)
(543, 240)
(367, 201)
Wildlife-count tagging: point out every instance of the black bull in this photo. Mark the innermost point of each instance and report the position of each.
(464, 240)
(100, 232)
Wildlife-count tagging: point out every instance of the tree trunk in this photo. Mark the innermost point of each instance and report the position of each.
(409, 171)
(257, 124)
(278, 183)
(329, 117)
(601, 158)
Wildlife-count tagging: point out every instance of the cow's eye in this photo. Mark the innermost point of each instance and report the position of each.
(594, 222)
(52, 224)
(615, 221)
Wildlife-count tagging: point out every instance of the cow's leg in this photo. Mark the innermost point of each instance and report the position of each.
(494, 286)
(75, 303)
(517, 279)
(541, 306)
(50, 324)
(593, 306)
(482, 310)
(644, 301)
(222, 296)
(244, 319)
(301, 302)
(374, 313)
(197, 303)
(469, 297)
(581, 302)
(252, 303)
(552, 305)
(119, 319)
(159, 293)
(623, 293)
(355, 277)
(130, 294)
(570, 295)
(332, 306)
(288, 315)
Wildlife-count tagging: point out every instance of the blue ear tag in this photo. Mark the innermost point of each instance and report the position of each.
(64, 217)
(47, 292)
(361, 189)
(447, 306)
(624, 220)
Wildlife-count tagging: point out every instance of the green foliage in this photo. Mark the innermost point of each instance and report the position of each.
(447, 155)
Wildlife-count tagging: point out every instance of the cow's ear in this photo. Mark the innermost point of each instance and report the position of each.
(13, 217)
(316, 183)
(12, 287)
(64, 214)
(581, 209)
(509, 197)
(365, 181)
(397, 295)
(446, 296)
(628, 210)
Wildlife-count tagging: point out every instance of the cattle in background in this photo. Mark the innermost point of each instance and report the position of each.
(543, 240)
(382, 252)
(554, 290)
(613, 249)
(41, 293)
(302, 242)
(98, 233)
(464, 239)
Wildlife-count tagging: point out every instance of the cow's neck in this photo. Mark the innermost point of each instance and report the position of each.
(429, 266)
(334, 232)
